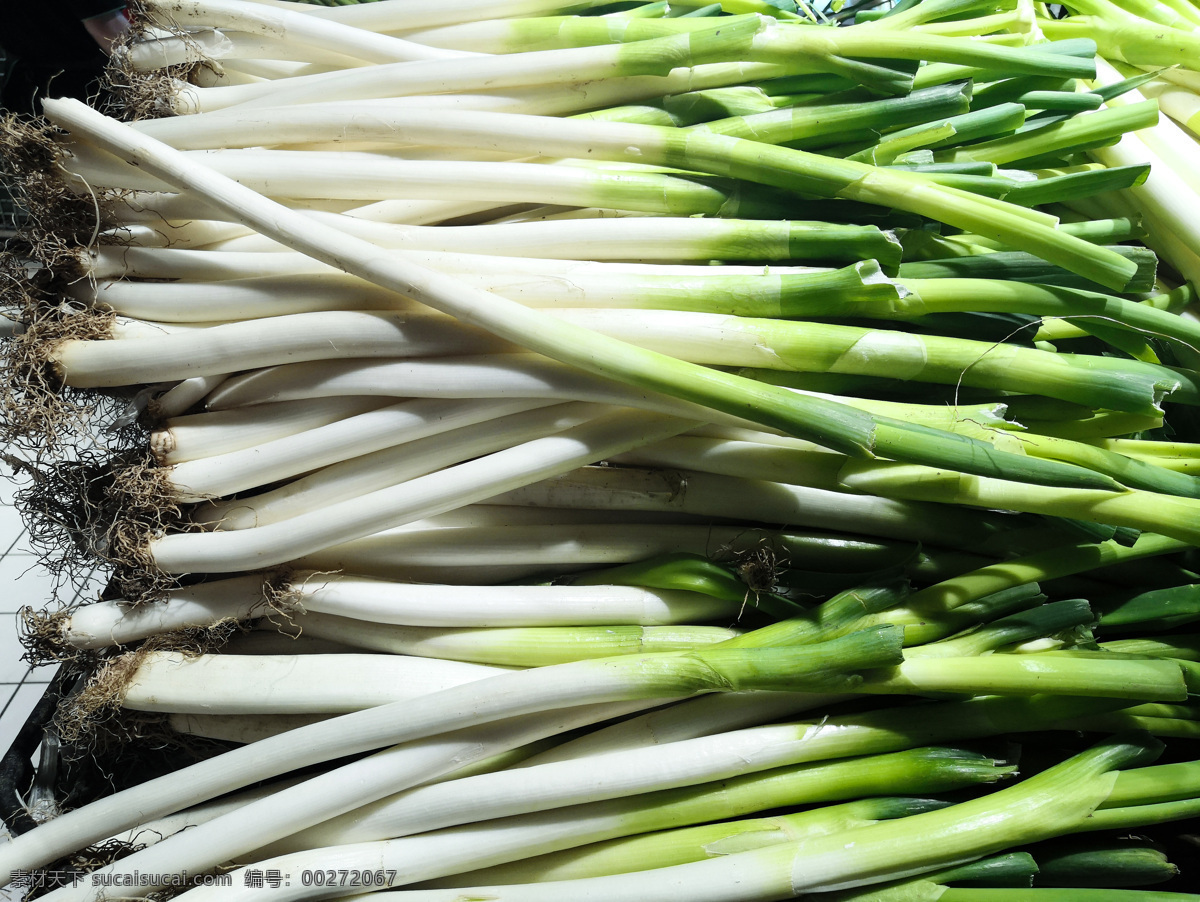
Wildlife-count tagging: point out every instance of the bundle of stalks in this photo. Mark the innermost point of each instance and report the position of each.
(528, 441)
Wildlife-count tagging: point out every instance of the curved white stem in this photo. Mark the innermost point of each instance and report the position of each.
(288, 684)
(294, 27)
(276, 543)
(187, 394)
(498, 424)
(382, 601)
(212, 432)
(222, 348)
(395, 426)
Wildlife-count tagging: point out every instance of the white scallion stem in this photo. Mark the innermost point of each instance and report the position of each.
(212, 432)
(382, 601)
(265, 546)
(288, 684)
(350, 438)
(478, 427)
(294, 27)
(511, 646)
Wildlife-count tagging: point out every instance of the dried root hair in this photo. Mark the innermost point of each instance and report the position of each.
(102, 509)
(282, 599)
(55, 219)
(759, 569)
(43, 419)
(43, 633)
(132, 93)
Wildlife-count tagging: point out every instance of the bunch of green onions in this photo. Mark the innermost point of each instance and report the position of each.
(584, 414)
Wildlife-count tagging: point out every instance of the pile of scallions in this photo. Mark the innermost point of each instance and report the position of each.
(548, 450)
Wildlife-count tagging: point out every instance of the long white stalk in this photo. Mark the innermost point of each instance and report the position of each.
(513, 422)
(382, 601)
(188, 393)
(511, 646)
(472, 72)
(501, 553)
(498, 554)
(626, 488)
(289, 26)
(405, 15)
(352, 437)
(106, 623)
(348, 175)
(540, 100)
(304, 336)
(214, 266)
(198, 435)
(685, 720)
(288, 684)
(200, 45)
(641, 238)
(557, 286)
(276, 543)
(497, 376)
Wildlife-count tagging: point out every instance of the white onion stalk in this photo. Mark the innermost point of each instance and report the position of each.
(220, 348)
(512, 423)
(288, 684)
(197, 435)
(536, 646)
(186, 394)
(353, 437)
(495, 376)
(725, 155)
(577, 97)
(471, 72)
(689, 719)
(405, 15)
(291, 27)
(501, 553)
(106, 623)
(706, 494)
(276, 543)
(215, 266)
(497, 35)
(199, 45)
(382, 601)
(760, 293)
(347, 175)
(824, 667)
(639, 238)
